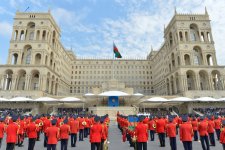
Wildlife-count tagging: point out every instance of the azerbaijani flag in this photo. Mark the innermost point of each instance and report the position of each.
(116, 51)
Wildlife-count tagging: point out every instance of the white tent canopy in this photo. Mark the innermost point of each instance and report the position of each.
(70, 99)
(138, 94)
(157, 100)
(113, 93)
(45, 99)
(181, 99)
(20, 99)
(3, 99)
(221, 99)
(206, 99)
(89, 94)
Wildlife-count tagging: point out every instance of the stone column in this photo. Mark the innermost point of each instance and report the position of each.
(27, 83)
(53, 88)
(197, 81)
(211, 87)
(184, 83)
(43, 83)
(50, 85)
(175, 86)
(1, 82)
(14, 79)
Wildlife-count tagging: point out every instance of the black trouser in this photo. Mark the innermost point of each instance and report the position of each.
(20, 140)
(45, 141)
(31, 143)
(73, 139)
(173, 143)
(10, 146)
(142, 145)
(223, 146)
(64, 143)
(102, 144)
(205, 142)
(195, 135)
(0, 142)
(85, 132)
(81, 134)
(95, 146)
(212, 139)
(38, 135)
(187, 145)
(51, 147)
(152, 135)
(162, 139)
(218, 134)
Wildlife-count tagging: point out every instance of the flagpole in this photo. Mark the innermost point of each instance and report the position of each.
(113, 62)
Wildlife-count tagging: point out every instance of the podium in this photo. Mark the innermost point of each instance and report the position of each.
(113, 101)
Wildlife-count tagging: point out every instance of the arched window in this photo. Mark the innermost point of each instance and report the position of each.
(38, 35)
(186, 36)
(208, 36)
(37, 59)
(217, 83)
(190, 80)
(181, 36)
(28, 56)
(204, 80)
(209, 60)
(22, 35)
(202, 37)
(14, 59)
(15, 35)
(194, 32)
(178, 61)
(198, 60)
(187, 60)
(171, 39)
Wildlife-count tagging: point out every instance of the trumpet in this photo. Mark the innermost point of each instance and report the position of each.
(61, 123)
(154, 126)
(40, 124)
(84, 123)
(134, 139)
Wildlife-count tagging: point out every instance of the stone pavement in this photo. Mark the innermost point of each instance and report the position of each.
(116, 143)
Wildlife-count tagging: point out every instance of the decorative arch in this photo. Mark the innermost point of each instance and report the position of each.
(194, 32)
(14, 59)
(38, 59)
(191, 80)
(209, 60)
(26, 56)
(204, 80)
(21, 80)
(8, 80)
(35, 75)
(31, 30)
(198, 58)
(187, 60)
(216, 79)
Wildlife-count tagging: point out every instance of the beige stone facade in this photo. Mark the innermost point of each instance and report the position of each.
(39, 65)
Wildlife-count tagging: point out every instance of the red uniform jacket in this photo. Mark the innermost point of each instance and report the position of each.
(171, 129)
(11, 132)
(203, 128)
(160, 126)
(21, 127)
(81, 120)
(222, 136)
(217, 123)
(186, 132)
(195, 125)
(151, 125)
(32, 129)
(104, 132)
(2, 129)
(211, 126)
(141, 132)
(96, 133)
(52, 134)
(47, 124)
(74, 126)
(64, 131)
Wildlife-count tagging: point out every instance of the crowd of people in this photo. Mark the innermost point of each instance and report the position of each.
(211, 111)
(188, 128)
(55, 128)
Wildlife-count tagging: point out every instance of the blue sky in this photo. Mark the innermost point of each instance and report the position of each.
(91, 26)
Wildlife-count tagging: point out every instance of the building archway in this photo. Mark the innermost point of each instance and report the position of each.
(191, 80)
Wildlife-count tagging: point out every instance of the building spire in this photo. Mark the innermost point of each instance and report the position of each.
(151, 48)
(175, 10)
(206, 12)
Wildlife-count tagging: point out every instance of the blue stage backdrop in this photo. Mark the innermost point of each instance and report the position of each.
(113, 101)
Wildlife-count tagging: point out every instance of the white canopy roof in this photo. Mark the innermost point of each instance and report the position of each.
(113, 93)
(45, 99)
(181, 99)
(3, 99)
(221, 99)
(206, 99)
(138, 94)
(89, 94)
(70, 99)
(157, 99)
(20, 99)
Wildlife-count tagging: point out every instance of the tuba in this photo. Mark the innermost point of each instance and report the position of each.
(40, 124)
(61, 123)
(154, 125)
(84, 123)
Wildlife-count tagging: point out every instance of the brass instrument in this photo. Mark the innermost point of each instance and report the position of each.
(61, 123)
(84, 123)
(134, 139)
(40, 124)
(154, 125)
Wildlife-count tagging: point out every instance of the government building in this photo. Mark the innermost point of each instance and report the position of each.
(39, 66)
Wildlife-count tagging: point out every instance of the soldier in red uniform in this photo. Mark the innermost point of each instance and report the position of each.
(47, 124)
(82, 124)
(40, 124)
(171, 133)
(217, 122)
(151, 127)
(222, 135)
(32, 130)
(2, 129)
(21, 131)
(12, 132)
(53, 135)
(160, 129)
(104, 135)
(95, 134)
(64, 134)
(211, 130)
(141, 131)
(74, 128)
(204, 136)
(194, 123)
(186, 133)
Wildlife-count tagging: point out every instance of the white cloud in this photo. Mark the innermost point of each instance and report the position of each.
(5, 29)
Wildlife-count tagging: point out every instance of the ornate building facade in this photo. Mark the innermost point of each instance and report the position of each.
(39, 65)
